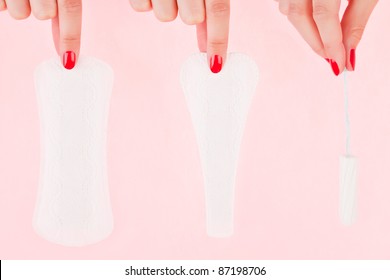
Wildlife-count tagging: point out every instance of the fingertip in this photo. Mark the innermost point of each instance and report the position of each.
(337, 57)
(45, 14)
(166, 16)
(70, 48)
(3, 6)
(351, 59)
(217, 50)
(350, 44)
(20, 15)
(335, 67)
(141, 6)
(69, 59)
(193, 19)
(192, 14)
(216, 63)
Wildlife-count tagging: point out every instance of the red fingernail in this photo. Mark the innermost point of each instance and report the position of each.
(335, 67)
(352, 58)
(69, 60)
(216, 64)
(327, 59)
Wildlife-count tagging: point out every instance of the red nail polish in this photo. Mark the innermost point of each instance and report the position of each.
(352, 58)
(216, 64)
(327, 59)
(69, 60)
(335, 67)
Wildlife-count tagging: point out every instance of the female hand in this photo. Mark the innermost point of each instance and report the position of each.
(66, 22)
(210, 16)
(319, 24)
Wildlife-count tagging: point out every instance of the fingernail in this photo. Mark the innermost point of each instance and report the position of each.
(69, 60)
(352, 58)
(216, 64)
(327, 59)
(335, 67)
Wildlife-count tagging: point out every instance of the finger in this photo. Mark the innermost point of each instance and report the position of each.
(201, 31)
(165, 10)
(56, 34)
(3, 6)
(353, 24)
(18, 9)
(299, 13)
(44, 9)
(192, 12)
(69, 17)
(141, 5)
(217, 18)
(326, 16)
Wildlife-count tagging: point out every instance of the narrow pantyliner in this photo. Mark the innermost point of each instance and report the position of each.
(219, 104)
(73, 205)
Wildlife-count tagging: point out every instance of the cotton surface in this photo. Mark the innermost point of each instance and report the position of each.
(218, 104)
(73, 205)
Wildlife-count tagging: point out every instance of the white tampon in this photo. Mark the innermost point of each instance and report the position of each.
(218, 104)
(73, 204)
(348, 171)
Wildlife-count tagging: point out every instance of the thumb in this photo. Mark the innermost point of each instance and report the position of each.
(353, 24)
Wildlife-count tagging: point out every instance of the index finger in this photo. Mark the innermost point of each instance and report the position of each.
(217, 20)
(69, 23)
(353, 24)
(326, 16)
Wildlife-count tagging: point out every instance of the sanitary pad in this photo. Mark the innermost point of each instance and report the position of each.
(218, 104)
(73, 205)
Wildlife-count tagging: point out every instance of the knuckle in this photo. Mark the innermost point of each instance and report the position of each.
(320, 10)
(356, 33)
(219, 9)
(218, 45)
(72, 6)
(295, 9)
(71, 39)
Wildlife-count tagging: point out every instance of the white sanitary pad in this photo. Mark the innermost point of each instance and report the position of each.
(73, 205)
(218, 104)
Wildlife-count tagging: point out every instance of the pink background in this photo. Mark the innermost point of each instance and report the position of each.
(287, 181)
